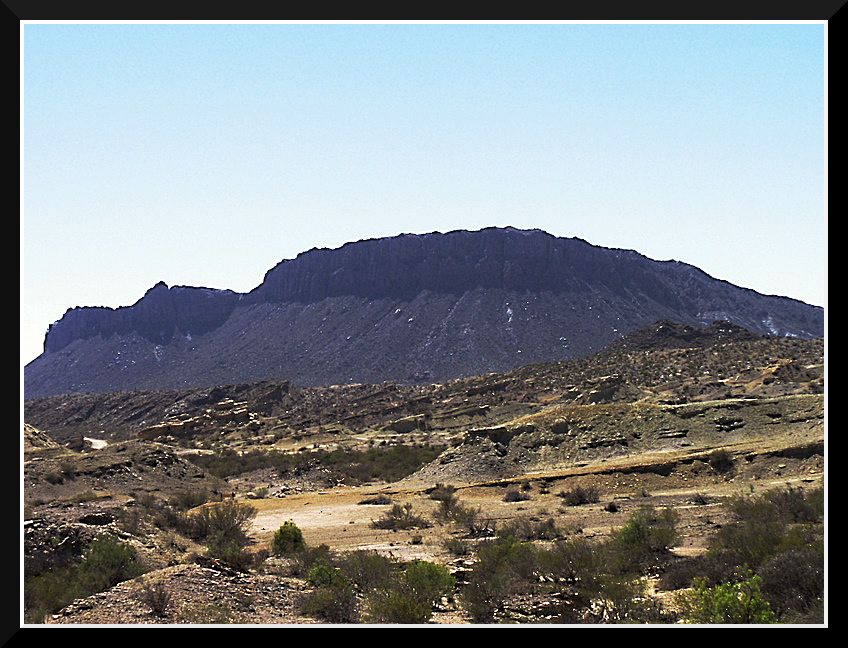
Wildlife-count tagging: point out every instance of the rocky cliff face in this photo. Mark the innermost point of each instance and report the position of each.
(157, 317)
(412, 308)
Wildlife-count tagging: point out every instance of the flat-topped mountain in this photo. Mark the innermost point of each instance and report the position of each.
(411, 308)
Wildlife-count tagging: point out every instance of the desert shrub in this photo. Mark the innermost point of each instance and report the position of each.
(472, 520)
(231, 553)
(457, 547)
(797, 505)
(732, 603)
(525, 528)
(156, 597)
(813, 614)
(368, 569)
(515, 495)
(648, 532)
(713, 568)
(441, 492)
(335, 603)
(751, 539)
(411, 598)
(397, 605)
(721, 461)
(617, 600)
(305, 559)
(223, 522)
(130, 521)
(580, 495)
(67, 470)
(288, 539)
(400, 517)
(86, 496)
(428, 580)
(188, 499)
(385, 463)
(106, 563)
(793, 581)
(321, 574)
(55, 477)
(448, 507)
(376, 500)
(503, 566)
(572, 560)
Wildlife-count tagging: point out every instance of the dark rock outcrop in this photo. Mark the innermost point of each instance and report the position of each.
(411, 308)
(157, 317)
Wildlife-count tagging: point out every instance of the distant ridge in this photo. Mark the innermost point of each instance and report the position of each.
(409, 308)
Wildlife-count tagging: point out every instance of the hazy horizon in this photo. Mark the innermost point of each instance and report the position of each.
(205, 154)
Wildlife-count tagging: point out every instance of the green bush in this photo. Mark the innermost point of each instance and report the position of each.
(231, 553)
(647, 533)
(322, 574)
(572, 560)
(368, 569)
(398, 605)
(223, 522)
(503, 566)
(335, 603)
(288, 539)
(309, 556)
(428, 580)
(733, 603)
(106, 563)
(411, 599)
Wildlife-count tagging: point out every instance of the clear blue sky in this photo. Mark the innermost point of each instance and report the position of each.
(205, 154)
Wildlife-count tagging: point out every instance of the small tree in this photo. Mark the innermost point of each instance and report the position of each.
(288, 539)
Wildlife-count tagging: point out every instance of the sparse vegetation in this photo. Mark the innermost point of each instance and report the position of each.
(647, 533)
(156, 597)
(400, 517)
(515, 495)
(721, 461)
(525, 528)
(580, 495)
(377, 500)
(383, 463)
(410, 599)
(106, 563)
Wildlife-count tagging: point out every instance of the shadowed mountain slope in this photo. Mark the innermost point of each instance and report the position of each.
(411, 308)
